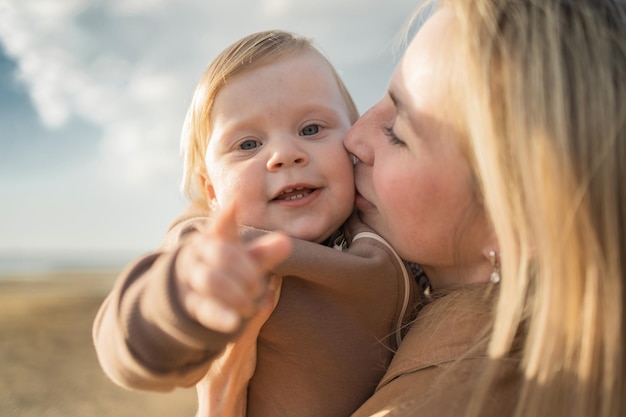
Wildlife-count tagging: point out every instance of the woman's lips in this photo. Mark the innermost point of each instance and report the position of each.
(362, 204)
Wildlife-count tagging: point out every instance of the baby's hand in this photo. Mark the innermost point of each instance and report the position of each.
(223, 280)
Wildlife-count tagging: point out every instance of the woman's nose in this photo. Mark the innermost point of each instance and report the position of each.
(287, 154)
(359, 137)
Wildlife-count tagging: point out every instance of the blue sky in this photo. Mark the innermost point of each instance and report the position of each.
(93, 94)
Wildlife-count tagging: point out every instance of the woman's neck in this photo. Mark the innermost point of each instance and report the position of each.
(447, 277)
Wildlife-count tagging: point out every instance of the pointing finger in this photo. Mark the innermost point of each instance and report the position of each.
(225, 224)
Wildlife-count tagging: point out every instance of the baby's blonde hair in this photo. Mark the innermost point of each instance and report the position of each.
(244, 55)
(542, 87)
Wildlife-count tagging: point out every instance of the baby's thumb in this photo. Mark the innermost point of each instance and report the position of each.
(269, 250)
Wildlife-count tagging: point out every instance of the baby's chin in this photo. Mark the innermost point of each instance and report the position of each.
(311, 227)
(309, 236)
(308, 233)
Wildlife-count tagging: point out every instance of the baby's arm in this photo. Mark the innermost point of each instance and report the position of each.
(223, 390)
(157, 328)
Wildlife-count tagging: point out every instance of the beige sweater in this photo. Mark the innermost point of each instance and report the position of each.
(321, 353)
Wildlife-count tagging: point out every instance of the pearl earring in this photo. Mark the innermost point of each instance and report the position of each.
(213, 204)
(493, 260)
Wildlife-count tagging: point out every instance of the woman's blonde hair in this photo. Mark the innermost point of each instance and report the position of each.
(543, 87)
(244, 55)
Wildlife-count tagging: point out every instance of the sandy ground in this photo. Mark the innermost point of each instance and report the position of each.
(48, 366)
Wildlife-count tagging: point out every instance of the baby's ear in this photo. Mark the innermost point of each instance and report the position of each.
(207, 186)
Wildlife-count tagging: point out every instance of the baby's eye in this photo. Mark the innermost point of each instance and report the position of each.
(310, 130)
(249, 144)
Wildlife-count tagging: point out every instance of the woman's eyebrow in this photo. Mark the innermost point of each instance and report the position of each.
(396, 101)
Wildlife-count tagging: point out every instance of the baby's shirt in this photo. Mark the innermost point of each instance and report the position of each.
(322, 352)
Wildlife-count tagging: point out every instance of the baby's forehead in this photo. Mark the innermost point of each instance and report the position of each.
(312, 55)
(296, 77)
(304, 74)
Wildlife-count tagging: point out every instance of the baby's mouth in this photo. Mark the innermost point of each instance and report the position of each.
(294, 193)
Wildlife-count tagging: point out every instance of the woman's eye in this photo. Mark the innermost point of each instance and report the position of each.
(310, 130)
(249, 144)
(393, 138)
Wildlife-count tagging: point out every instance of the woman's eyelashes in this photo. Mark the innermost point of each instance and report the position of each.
(393, 138)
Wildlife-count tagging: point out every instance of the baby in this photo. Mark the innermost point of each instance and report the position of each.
(264, 150)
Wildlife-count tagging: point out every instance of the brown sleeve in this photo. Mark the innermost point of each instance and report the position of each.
(367, 276)
(143, 338)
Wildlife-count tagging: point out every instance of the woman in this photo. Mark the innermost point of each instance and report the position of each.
(497, 162)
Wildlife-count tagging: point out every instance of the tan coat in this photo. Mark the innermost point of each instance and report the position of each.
(436, 369)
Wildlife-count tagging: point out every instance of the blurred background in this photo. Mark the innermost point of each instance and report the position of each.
(92, 98)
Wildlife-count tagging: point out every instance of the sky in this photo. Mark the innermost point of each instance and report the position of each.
(93, 94)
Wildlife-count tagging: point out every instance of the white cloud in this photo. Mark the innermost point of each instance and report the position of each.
(274, 8)
(136, 7)
(130, 66)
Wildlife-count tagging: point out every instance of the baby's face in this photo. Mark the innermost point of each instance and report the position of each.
(276, 148)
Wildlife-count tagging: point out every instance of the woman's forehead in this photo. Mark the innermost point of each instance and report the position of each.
(427, 65)
(433, 45)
